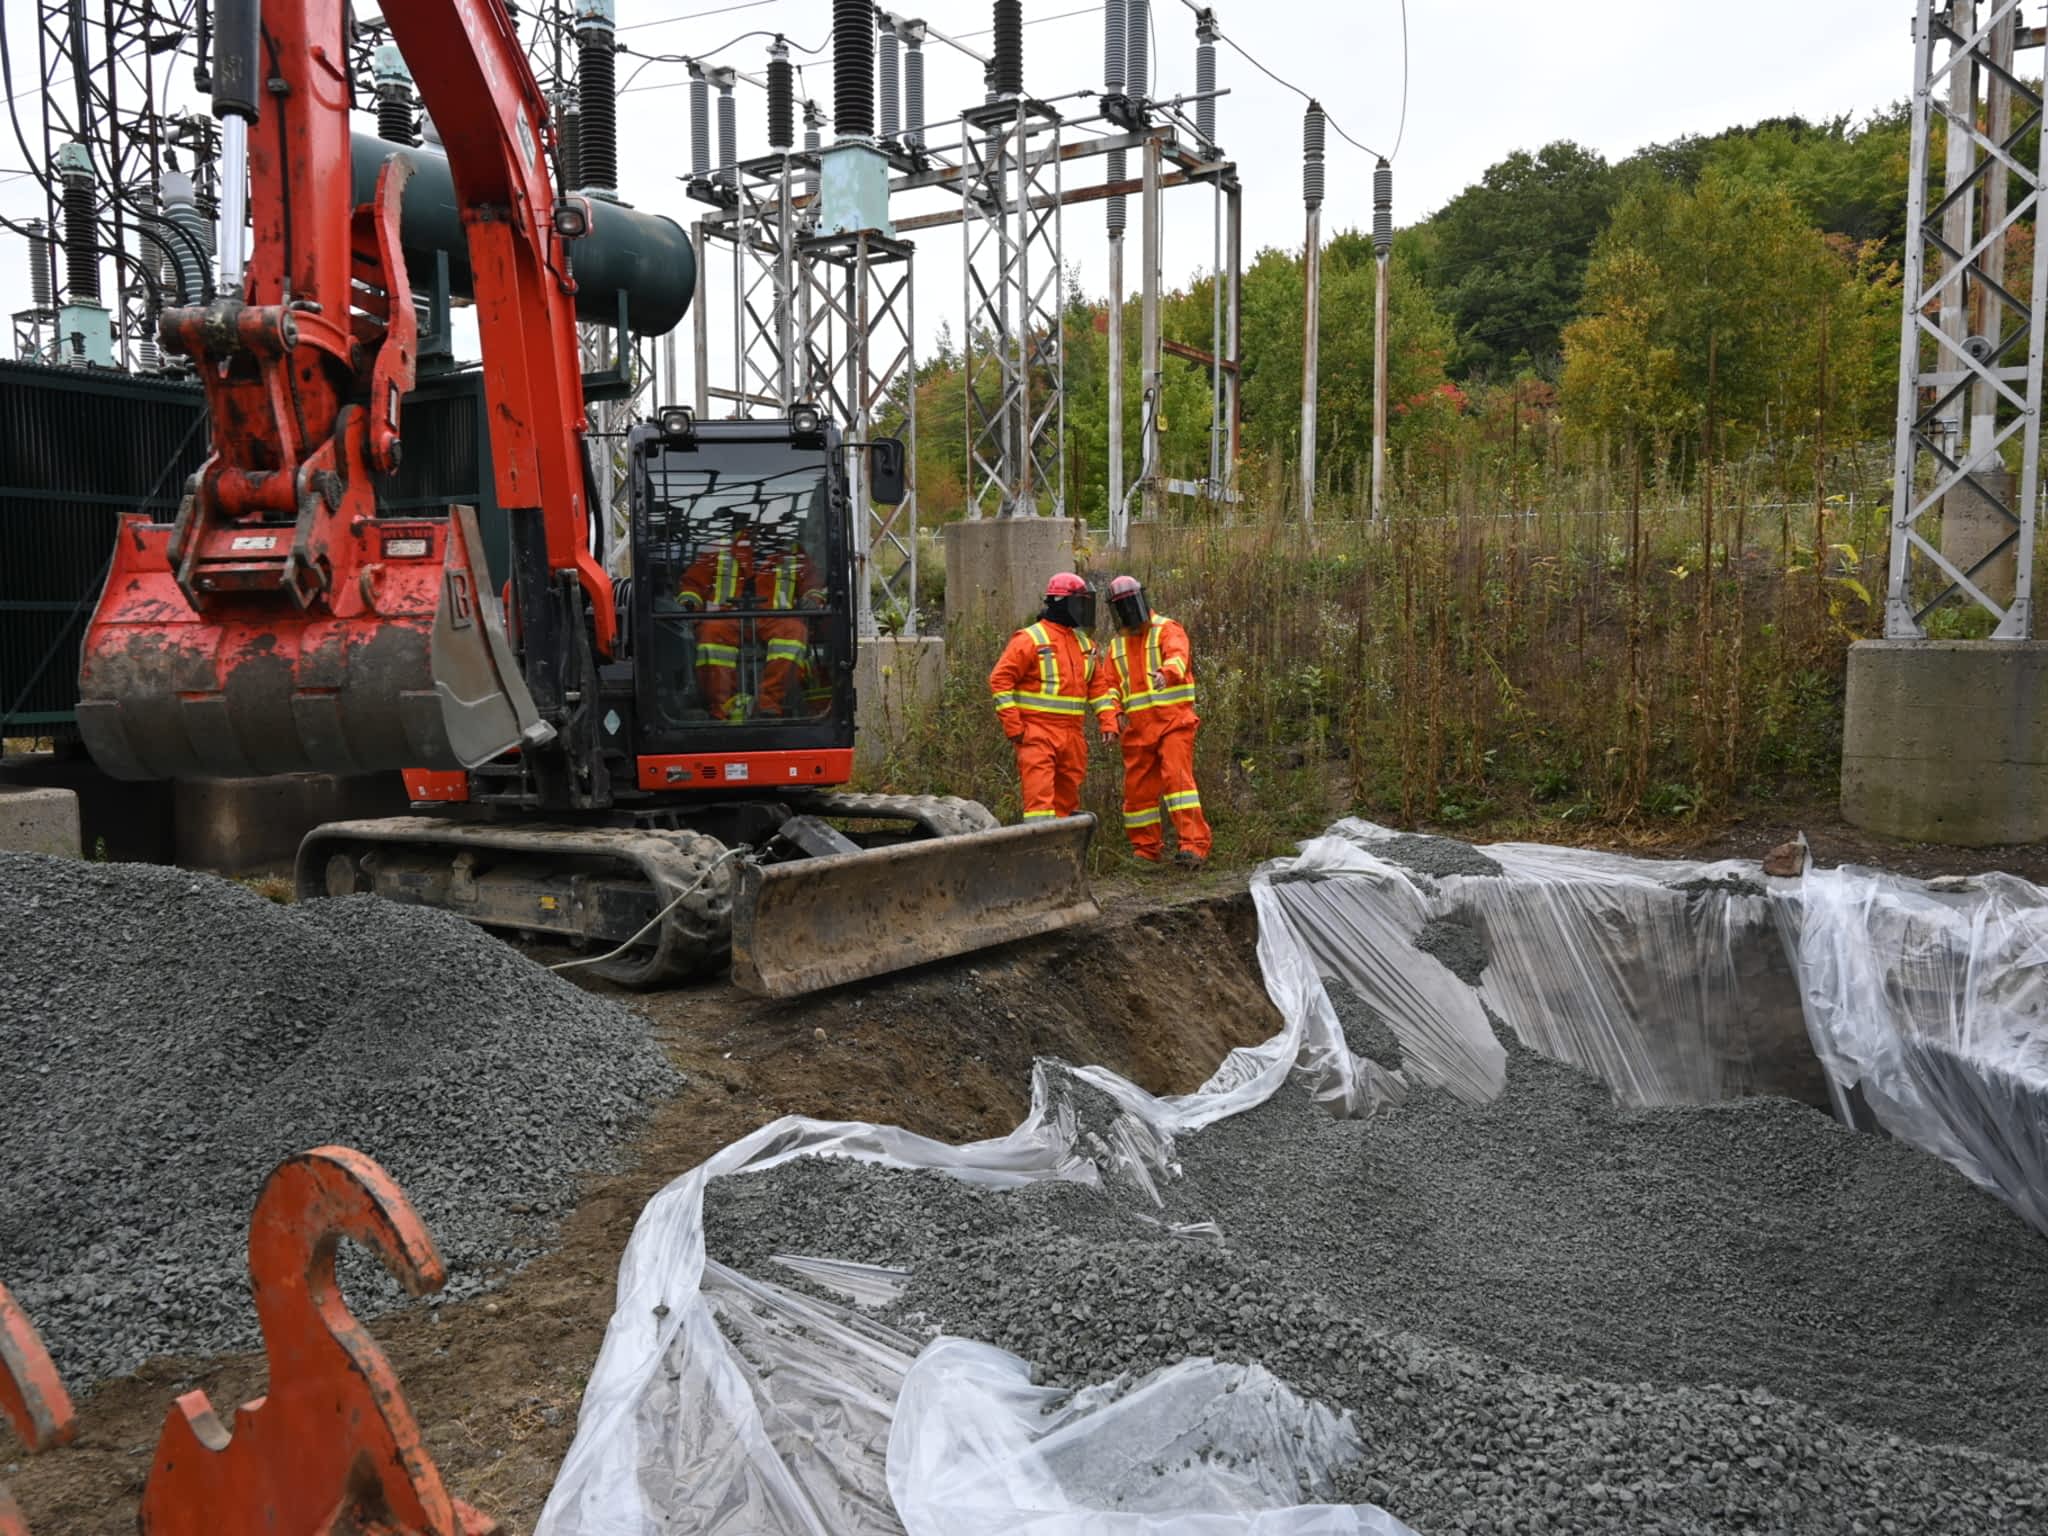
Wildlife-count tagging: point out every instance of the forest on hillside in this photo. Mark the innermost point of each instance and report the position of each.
(1730, 299)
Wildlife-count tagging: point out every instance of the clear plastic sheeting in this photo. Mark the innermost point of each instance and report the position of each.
(1665, 979)
(1195, 1449)
(724, 1403)
(1927, 1001)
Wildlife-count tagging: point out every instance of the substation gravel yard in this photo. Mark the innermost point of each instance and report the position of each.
(167, 1038)
(1547, 1314)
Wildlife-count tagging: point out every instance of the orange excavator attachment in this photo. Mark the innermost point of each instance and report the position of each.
(406, 667)
(32, 1399)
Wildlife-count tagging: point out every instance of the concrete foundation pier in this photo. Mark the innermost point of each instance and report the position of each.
(251, 826)
(1946, 741)
(39, 820)
(996, 568)
(892, 679)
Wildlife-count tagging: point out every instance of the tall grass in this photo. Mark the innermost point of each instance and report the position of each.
(1570, 662)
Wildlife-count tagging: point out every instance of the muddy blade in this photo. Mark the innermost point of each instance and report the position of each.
(816, 923)
(414, 674)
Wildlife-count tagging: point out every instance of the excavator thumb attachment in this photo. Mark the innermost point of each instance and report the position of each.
(406, 666)
(818, 922)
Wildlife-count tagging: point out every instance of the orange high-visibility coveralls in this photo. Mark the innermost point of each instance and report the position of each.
(715, 581)
(1042, 686)
(786, 581)
(1159, 723)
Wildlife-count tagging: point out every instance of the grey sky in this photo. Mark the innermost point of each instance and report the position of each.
(1485, 77)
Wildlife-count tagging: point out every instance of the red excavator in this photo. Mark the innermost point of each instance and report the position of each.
(650, 769)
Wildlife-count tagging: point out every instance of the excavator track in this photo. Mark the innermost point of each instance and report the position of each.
(655, 906)
(596, 887)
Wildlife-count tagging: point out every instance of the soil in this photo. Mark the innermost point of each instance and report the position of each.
(946, 1050)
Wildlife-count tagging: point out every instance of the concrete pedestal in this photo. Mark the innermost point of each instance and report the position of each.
(1946, 741)
(117, 820)
(39, 821)
(250, 826)
(996, 569)
(892, 679)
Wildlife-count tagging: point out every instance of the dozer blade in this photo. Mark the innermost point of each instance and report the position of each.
(814, 923)
(407, 668)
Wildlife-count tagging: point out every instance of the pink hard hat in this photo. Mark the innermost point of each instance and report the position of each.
(1123, 586)
(1065, 584)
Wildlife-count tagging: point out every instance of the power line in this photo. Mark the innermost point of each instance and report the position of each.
(1032, 21)
(720, 10)
(1401, 131)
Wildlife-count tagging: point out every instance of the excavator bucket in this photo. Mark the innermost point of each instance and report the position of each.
(408, 667)
(814, 923)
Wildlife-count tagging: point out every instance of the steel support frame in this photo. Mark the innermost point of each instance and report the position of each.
(1953, 266)
(859, 354)
(1013, 306)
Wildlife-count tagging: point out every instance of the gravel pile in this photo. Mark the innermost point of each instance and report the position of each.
(1717, 885)
(167, 1038)
(1434, 855)
(1546, 1314)
(1457, 945)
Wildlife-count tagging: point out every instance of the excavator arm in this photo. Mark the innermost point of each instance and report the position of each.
(282, 622)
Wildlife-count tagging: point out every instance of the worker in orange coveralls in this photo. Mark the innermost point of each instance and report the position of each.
(1043, 686)
(785, 583)
(1150, 677)
(715, 581)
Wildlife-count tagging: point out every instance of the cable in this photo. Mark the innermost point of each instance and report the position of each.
(1401, 129)
(1032, 21)
(656, 921)
(92, 592)
(721, 10)
(1304, 95)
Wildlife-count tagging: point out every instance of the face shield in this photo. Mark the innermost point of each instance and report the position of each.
(1128, 608)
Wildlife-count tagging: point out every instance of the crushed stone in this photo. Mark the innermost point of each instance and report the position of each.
(1458, 945)
(1718, 885)
(167, 1038)
(1545, 1314)
(1435, 856)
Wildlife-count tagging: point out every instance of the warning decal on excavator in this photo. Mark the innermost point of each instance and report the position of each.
(737, 771)
(252, 541)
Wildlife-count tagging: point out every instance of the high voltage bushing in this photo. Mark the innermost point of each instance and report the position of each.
(853, 68)
(888, 76)
(81, 225)
(781, 98)
(1113, 48)
(1312, 140)
(569, 145)
(814, 123)
(1383, 208)
(597, 96)
(42, 279)
(1205, 76)
(394, 94)
(912, 33)
(728, 127)
(1009, 48)
(1137, 49)
(189, 250)
(700, 123)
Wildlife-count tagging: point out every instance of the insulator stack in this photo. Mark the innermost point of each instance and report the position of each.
(394, 95)
(1137, 49)
(853, 68)
(700, 123)
(1009, 49)
(781, 99)
(1312, 139)
(42, 280)
(569, 146)
(191, 244)
(147, 358)
(814, 122)
(597, 97)
(1383, 208)
(1205, 77)
(728, 127)
(1113, 48)
(81, 225)
(1119, 216)
(912, 33)
(889, 78)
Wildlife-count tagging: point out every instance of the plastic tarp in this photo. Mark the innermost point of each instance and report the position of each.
(725, 1403)
(1929, 999)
